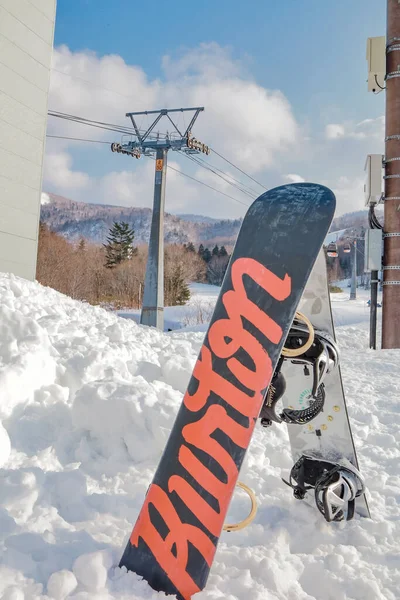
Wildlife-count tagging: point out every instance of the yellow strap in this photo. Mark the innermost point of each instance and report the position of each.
(292, 352)
(247, 520)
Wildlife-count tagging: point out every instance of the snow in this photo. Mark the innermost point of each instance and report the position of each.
(61, 584)
(45, 198)
(87, 402)
(355, 312)
(194, 315)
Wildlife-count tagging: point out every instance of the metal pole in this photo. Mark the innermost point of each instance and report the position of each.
(153, 297)
(353, 289)
(391, 256)
(374, 303)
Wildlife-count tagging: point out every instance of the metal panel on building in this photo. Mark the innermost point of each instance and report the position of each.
(26, 44)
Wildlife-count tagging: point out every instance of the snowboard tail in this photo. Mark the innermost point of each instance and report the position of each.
(175, 537)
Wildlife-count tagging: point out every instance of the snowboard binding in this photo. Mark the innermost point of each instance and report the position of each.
(336, 486)
(317, 352)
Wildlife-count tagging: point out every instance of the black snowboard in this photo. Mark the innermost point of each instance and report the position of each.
(175, 537)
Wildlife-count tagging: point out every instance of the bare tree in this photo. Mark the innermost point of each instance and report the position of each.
(78, 270)
(216, 269)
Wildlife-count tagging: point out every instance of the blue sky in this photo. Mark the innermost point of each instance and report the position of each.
(319, 128)
(312, 50)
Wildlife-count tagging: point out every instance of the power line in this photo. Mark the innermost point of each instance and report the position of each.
(91, 123)
(123, 130)
(64, 137)
(193, 159)
(206, 185)
(130, 131)
(238, 168)
(168, 166)
(244, 185)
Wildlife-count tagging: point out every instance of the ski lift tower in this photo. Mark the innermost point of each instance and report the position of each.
(149, 144)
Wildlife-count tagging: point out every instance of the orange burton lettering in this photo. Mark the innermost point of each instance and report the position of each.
(225, 337)
(179, 534)
(199, 435)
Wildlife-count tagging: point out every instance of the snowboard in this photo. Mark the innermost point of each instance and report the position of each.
(328, 436)
(175, 537)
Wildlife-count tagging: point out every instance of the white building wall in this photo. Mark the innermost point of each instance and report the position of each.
(26, 44)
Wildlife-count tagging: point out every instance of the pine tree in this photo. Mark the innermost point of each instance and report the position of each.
(201, 251)
(119, 246)
(215, 250)
(190, 247)
(207, 255)
(176, 287)
(182, 288)
(222, 251)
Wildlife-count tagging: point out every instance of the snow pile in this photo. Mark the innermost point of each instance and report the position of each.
(195, 314)
(87, 402)
(45, 199)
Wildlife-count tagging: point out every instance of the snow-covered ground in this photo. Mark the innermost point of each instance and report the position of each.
(86, 403)
(194, 315)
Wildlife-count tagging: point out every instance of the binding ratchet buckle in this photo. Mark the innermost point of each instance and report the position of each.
(318, 353)
(336, 486)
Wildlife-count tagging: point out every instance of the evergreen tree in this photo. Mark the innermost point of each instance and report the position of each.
(207, 255)
(190, 247)
(183, 292)
(201, 251)
(215, 251)
(176, 287)
(119, 246)
(222, 251)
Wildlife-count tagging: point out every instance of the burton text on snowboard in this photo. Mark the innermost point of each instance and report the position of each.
(175, 537)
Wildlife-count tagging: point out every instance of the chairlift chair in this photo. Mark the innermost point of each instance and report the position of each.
(331, 250)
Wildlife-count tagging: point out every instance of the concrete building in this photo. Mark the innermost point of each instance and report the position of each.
(26, 44)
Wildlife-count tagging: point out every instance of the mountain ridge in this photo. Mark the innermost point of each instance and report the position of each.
(75, 220)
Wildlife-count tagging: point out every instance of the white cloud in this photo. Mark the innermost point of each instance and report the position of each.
(334, 131)
(293, 178)
(349, 194)
(196, 63)
(59, 173)
(368, 128)
(251, 125)
(125, 188)
(135, 187)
